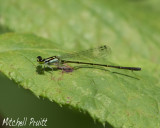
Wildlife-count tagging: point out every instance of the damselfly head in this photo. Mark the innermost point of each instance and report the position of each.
(40, 60)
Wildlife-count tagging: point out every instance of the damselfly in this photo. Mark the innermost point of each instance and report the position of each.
(60, 61)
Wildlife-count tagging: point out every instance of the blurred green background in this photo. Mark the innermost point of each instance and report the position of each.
(130, 27)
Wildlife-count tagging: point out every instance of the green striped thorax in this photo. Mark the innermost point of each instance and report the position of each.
(50, 60)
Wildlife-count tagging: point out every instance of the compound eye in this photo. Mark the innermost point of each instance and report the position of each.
(39, 58)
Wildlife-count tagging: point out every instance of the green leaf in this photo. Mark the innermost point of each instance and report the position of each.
(120, 100)
(130, 28)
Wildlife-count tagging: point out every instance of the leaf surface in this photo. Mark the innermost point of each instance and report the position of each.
(105, 94)
(130, 28)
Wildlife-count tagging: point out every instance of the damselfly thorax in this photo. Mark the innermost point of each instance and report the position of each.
(48, 61)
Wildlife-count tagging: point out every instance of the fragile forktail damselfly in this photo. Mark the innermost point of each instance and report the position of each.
(59, 61)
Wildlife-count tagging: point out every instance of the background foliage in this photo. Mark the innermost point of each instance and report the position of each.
(130, 27)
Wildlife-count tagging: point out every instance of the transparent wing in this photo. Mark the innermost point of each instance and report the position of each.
(94, 53)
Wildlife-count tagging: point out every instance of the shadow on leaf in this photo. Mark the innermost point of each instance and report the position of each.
(40, 70)
(4, 29)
